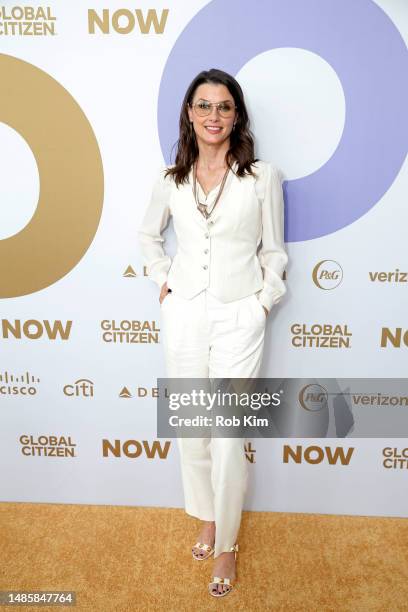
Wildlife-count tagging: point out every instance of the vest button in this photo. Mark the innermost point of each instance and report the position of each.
(205, 267)
(205, 235)
(206, 251)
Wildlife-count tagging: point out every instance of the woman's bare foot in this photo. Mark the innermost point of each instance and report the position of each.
(224, 567)
(206, 536)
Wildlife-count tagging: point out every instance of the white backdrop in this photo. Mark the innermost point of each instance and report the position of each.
(96, 395)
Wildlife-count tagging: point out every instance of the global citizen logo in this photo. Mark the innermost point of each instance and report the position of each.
(130, 332)
(27, 21)
(327, 274)
(320, 335)
(47, 446)
(395, 459)
(250, 452)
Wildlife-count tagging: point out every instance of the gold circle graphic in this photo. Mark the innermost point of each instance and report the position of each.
(70, 167)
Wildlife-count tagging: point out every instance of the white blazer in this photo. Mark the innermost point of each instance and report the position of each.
(220, 253)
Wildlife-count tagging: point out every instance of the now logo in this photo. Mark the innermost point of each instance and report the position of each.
(317, 454)
(134, 449)
(33, 329)
(124, 21)
(396, 337)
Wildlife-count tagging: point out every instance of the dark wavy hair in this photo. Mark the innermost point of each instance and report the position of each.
(241, 138)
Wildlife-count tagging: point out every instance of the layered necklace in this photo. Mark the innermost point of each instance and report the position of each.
(203, 208)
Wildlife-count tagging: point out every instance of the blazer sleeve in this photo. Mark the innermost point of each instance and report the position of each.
(272, 255)
(150, 237)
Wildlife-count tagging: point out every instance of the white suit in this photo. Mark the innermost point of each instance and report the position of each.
(213, 320)
(220, 253)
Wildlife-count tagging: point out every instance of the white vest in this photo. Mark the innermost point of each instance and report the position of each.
(220, 253)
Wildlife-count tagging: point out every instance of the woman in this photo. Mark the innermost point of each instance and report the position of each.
(217, 291)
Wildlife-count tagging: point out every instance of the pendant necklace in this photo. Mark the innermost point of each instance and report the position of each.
(203, 207)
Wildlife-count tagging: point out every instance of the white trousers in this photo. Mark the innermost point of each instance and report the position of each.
(206, 338)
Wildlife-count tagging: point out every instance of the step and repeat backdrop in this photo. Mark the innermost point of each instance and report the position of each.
(89, 105)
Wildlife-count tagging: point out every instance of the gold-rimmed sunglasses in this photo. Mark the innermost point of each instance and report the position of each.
(203, 108)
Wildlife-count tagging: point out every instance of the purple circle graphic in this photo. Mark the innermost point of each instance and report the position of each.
(370, 58)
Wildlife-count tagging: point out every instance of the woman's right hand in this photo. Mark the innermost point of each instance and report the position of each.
(163, 292)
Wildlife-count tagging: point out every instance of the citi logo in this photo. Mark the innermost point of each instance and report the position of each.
(313, 398)
(395, 338)
(135, 448)
(327, 274)
(83, 387)
(317, 454)
(34, 330)
(125, 21)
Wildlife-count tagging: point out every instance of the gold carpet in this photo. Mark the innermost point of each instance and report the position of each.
(121, 558)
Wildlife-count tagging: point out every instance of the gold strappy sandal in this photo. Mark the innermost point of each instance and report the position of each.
(206, 547)
(224, 581)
